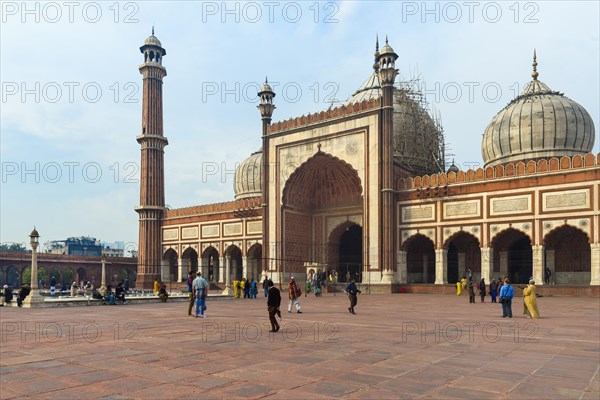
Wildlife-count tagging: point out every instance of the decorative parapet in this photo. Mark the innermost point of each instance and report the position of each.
(512, 169)
(215, 208)
(319, 117)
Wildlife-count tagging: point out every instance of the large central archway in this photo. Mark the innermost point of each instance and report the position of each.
(322, 188)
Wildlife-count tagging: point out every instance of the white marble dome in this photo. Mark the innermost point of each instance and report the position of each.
(248, 177)
(540, 123)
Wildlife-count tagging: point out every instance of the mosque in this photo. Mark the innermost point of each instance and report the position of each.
(363, 190)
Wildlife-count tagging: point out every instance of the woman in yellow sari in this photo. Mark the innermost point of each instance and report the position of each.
(529, 301)
(458, 288)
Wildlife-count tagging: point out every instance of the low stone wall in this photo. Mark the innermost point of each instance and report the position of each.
(79, 301)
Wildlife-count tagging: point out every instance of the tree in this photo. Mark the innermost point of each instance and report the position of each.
(15, 247)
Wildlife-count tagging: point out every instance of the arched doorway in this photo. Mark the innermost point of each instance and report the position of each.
(169, 272)
(464, 254)
(210, 262)
(321, 187)
(12, 276)
(81, 277)
(568, 255)
(253, 261)
(43, 279)
(513, 255)
(54, 272)
(68, 278)
(420, 259)
(190, 260)
(346, 251)
(234, 254)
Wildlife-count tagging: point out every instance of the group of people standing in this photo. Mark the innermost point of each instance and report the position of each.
(245, 287)
(502, 289)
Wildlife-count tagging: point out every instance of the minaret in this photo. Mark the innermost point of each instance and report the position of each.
(266, 108)
(152, 182)
(386, 60)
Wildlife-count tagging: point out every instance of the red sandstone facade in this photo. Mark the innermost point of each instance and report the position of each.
(336, 196)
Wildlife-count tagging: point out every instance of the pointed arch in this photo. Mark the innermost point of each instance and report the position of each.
(323, 181)
(210, 264)
(420, 259)
(464, 254)
(568, 255)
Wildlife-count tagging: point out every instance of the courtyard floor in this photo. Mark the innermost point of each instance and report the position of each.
(397, 346)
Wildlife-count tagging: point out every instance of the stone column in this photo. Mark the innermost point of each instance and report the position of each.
(487, 263)
(228, 289)
(425, 268)
(504, 265)
(538, 264)
(103, 281)
(222, 269)
(402, 269)
(441, 266)
(595, 261)
(551, 264)
(462, 265)
(181, 273)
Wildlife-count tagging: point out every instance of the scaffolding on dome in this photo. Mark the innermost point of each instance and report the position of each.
(419, 142)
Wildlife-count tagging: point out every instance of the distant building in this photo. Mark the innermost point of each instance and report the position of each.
(85, 246)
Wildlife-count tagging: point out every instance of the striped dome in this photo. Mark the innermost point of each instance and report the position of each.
(540, 123)
(248, 177)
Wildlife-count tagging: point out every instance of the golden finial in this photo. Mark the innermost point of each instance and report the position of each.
(534, 74)
(376, 46)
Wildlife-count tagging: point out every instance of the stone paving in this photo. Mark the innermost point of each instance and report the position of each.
(397, 346)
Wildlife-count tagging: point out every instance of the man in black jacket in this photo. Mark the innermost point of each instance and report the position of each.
(24, 292)
(273, 303)
(352, 290)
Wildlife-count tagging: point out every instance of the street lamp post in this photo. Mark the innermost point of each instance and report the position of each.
(34, 299)
(34, 241)
(103, 283)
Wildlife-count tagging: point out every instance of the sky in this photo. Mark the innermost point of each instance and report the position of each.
(71, 89)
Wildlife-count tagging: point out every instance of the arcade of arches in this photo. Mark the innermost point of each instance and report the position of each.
(565, 252)
(15, 269)
(232, 264)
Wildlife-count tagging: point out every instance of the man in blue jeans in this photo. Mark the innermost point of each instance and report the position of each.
(507, 292)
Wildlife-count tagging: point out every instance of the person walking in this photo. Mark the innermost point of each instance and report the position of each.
(530, 306)
(458, 288)
(273, 304)
(547, 275)
(482, 290)
(507, 292)
(471, 291)
(200, 287)
(190, 283)
(493, 290)
(294, 294)
(266, 286)
(352, 291)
